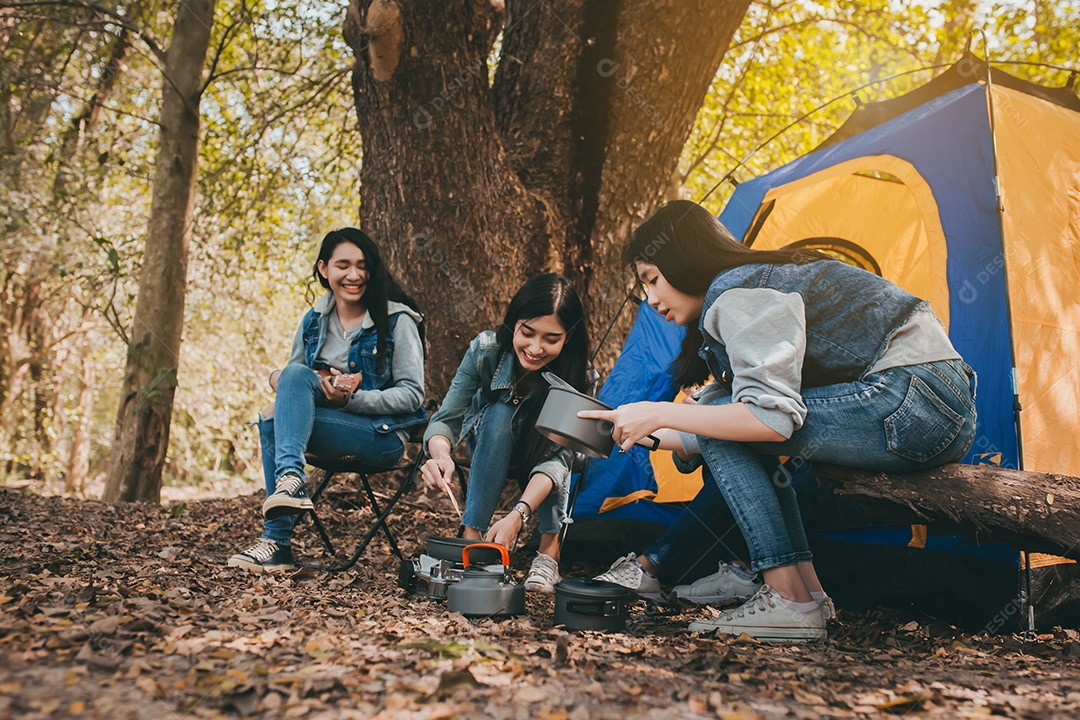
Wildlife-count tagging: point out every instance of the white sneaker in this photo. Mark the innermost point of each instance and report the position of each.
(723, 585)
(629, 574)
(767, 617)
(827, 608)
(543, 574)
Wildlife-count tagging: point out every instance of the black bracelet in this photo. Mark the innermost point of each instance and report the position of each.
(526, 504)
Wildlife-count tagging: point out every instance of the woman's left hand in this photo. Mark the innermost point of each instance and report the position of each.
(633, 422)
(506, 530)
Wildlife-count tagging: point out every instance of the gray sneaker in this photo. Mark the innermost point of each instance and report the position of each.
(767, 617)
(629, 574)
(722, 586)
(288, 498)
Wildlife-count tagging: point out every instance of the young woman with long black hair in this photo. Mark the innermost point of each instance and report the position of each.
(811, 358)
(493, 403)
(366, 328)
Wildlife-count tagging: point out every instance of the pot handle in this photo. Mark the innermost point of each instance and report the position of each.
(608, 608)
(607, 427)
(494, 546)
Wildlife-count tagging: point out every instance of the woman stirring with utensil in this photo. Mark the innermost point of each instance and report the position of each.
(493, 403)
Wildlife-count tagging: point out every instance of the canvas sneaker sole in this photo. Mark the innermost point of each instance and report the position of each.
(280, 505)
(791, 633)
(714, 599)
(542, 586)
(250, 565)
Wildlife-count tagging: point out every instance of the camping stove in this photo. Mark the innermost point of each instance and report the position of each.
(433, 577)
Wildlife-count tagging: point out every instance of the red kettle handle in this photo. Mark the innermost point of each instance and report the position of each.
(494, 546)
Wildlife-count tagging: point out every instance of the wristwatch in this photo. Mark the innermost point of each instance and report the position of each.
(524, 513)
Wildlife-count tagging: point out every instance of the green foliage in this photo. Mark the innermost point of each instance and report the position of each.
(278, 149)
(796, 70)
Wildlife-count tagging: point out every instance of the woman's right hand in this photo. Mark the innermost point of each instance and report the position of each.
(438, 473)
(335, 397)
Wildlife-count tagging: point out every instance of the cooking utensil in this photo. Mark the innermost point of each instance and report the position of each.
(483, 592)
(453, 501)
(558, 421)
(586, 604)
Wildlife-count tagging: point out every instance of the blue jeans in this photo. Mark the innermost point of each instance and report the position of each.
(705, 527)
(302, 423)
(492, 448)
(901, 420)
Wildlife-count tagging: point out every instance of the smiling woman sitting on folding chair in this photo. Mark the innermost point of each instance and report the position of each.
(354, 386)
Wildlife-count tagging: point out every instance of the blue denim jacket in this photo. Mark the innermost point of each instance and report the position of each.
(485, 366)
(362, 358)
(850, 316)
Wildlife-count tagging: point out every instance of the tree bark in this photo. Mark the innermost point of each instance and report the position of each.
(472, 189)
(1037, 511)
(142, 423)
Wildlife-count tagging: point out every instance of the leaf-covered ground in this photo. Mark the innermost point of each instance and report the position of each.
(129, 612)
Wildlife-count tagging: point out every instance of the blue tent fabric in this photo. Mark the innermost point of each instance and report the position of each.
(948, 142)
(641, 373)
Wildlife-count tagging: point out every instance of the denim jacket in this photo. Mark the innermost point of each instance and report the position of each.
(850, 316)
(362, 358)
(485, 366)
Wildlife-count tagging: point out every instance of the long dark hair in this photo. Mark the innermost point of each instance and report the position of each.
(691, 247)
(381, 289)
(548, 294)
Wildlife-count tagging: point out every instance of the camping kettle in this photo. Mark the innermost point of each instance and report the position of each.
(486, 591)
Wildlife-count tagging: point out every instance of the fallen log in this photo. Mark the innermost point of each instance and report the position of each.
(1035, 511)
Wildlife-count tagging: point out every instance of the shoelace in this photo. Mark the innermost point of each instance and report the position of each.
(546, 571)
(762, 601)
(289, 485)
(623, 569)
(262, 551)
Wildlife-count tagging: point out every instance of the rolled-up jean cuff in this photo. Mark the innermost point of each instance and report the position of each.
(781, 561)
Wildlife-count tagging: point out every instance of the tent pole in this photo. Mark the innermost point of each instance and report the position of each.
(1028, 601)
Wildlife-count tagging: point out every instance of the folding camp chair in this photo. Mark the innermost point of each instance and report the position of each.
(333, 466)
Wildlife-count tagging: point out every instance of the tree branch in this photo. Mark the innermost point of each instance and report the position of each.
(115, 17)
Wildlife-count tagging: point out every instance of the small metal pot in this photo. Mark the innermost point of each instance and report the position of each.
(449, 548)
(558, 422)
(586, 604)
(484, 592)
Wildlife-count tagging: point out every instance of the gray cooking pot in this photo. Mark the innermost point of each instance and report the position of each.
(558, 421)
(586, 604)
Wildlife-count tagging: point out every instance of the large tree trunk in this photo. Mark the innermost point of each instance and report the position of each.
(472, 189)
(1036, 511)
(142, 422)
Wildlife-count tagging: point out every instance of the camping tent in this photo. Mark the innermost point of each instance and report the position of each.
(913, 198)
(906, 188)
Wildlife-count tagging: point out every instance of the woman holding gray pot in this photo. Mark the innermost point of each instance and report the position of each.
(814, 359)
(492, 404)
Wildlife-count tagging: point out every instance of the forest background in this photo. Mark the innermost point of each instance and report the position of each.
(280, 161)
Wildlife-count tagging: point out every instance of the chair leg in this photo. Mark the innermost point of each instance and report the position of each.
(380, 521)
(323, 535)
